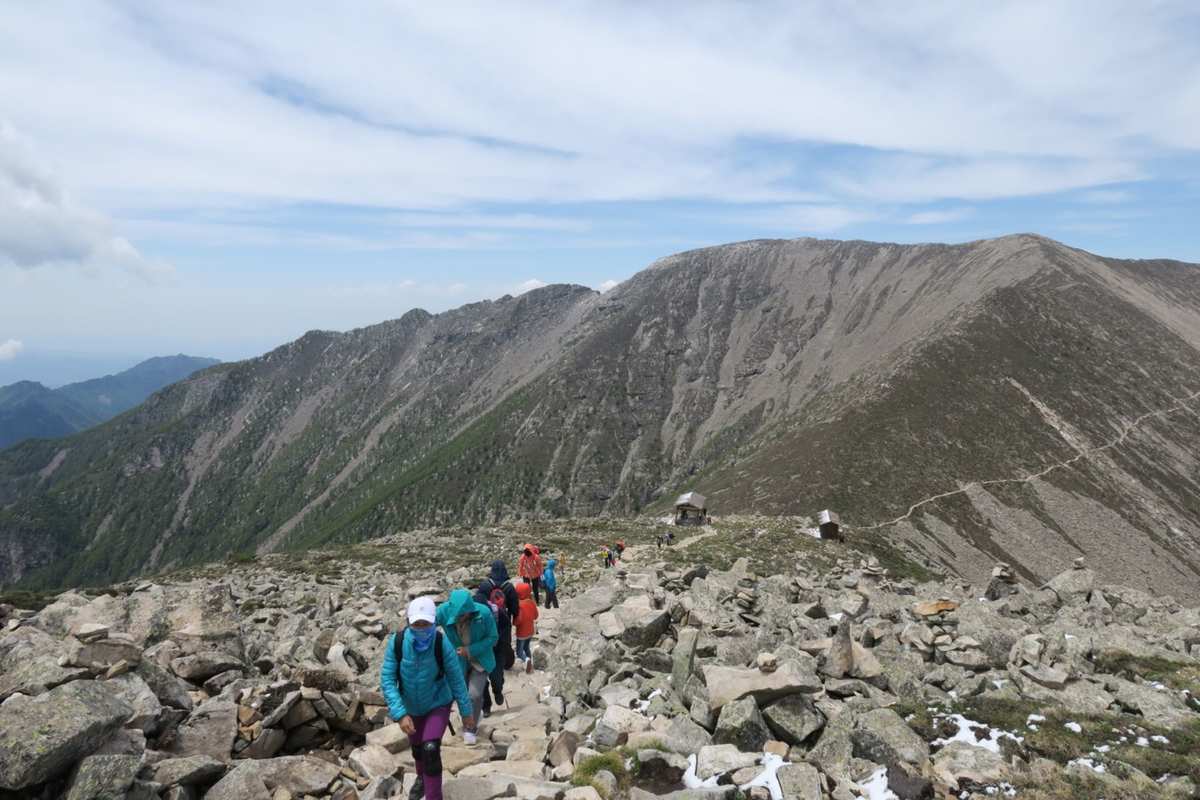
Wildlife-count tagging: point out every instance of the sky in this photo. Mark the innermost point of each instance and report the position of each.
(217, 178)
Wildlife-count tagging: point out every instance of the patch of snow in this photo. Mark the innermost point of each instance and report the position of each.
(999, 684)
(1160, 739)
(967, 735)
(1035, 718)
(1068, 636)
(767, 778)
(1142, 741)
(876, 786)
(1073, 726)
(1103, 748)
(1087, 762)
(836, 617)
(692, 781)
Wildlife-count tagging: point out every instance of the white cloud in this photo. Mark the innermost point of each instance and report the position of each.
(1105, 196)
(799, 219)
(609, 285)
(10, 349)
(939, 217)
(529, 285)
(40, 225)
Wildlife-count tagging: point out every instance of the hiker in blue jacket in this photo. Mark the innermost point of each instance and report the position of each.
(550, 581)
(419, 686)
(471, 629)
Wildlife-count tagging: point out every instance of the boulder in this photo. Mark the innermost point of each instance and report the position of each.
(103, 777)
(726, 684)
(683, 657)
(643, 628)
(372, 761)
(208, 731)
(41, 738)
(881, 735)
(717, 759)
(476, 788)
(793, 719)
(661, 767)
(800, 782)
(686, 737)
(741, 724)
(146, 708)
(389, 737)
(616, 724)
(201, 666)
(187, 771)
(959, 761)
(100, 655)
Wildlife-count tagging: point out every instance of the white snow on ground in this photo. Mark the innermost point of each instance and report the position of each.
(767, 778)
(1142, 741)
(876, 787)
(692, 781)
(644, 704)
(1087, 762)
(967, 735)
(1160, 739)
(1073, 726)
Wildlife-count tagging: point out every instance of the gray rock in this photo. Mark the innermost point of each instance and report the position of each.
(684, 657)
(793, 719)
(384, 789)
(717, 759)
(43, 737)
(208, 731)
(685, 736)
(190, 770)
(882, 736)
(199, 667)
(726, 684)
(644, 628)
(476, 788)
(103, 778)
(99, 655)
(659, 766)
(146, 708)
(741, 724)
(800, 782)
(244, 782)
(169, 690)
(960, 761)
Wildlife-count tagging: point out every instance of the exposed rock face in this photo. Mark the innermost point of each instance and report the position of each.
(760, 349)
(43, 737)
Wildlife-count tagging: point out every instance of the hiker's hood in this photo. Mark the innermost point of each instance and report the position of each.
(529, 548)
(481, 594)
(499, 573)
(459, 602)
(524, 591)
(551, 563)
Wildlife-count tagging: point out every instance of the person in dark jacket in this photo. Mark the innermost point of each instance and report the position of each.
(503, 634)
(498, 578)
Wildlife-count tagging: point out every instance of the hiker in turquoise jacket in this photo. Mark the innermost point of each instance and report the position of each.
(419, 686)
(550, 582)
(471, 628)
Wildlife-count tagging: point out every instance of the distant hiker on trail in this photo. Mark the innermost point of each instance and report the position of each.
(530, 568)
(670, 538)
(498, 581)
(525, 626)
(420, 676)
(550, 581)
(620, 548)
(471, 629)
(608, 556)
(660, 541)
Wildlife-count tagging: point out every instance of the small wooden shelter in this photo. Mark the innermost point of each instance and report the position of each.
(691, 509)
(829, 525)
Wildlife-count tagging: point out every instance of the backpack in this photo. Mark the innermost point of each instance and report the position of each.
(499, 604)
(398, 652)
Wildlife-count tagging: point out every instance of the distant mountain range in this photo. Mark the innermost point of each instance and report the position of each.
(29, 410)
(1012, 399)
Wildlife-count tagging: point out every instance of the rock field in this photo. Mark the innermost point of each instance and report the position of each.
(652, 680)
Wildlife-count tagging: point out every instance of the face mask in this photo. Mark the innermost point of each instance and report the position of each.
(423, 638)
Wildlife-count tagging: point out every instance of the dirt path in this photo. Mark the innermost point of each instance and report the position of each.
(633, 552)
(1086, 453)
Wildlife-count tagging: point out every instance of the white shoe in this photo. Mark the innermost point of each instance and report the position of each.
(468, 737)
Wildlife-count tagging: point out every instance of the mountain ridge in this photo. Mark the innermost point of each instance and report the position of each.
(775, 375)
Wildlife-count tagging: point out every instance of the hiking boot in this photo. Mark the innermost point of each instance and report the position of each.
(499, 700)
(529, 666)
(418, 789)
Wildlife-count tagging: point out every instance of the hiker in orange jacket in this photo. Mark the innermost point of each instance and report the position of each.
(525, 626)
(530, 568)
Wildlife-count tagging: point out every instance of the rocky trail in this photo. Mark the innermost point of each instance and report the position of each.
(260, 681)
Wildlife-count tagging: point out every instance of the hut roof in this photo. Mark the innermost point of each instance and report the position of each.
(693, 499)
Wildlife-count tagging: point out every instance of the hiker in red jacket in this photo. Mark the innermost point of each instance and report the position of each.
(530, 568)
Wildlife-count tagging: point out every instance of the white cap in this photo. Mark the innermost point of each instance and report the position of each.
(422, 608)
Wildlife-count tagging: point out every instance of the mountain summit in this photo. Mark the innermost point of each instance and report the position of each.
(1010, 399)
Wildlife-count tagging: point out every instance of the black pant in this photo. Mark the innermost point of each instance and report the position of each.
(551, 598)
(535, 583)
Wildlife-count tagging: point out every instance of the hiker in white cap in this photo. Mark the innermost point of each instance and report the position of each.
(421, 675)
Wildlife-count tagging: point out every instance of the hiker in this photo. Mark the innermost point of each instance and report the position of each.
(670, 538)
(419, 678)
(471, 629)
(550, 581)
(530, 568)
(502, 651)
(525, 626)
(660, 541)
(498, 579)
(620, 548)
(608, 557)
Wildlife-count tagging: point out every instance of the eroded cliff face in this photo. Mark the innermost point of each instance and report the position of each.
(1010, 398)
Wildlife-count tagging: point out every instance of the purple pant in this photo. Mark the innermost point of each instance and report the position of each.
(430, 728)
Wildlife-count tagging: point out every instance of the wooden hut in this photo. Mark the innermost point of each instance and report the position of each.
(829, 525)
(691, 509)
